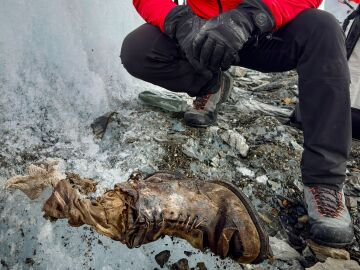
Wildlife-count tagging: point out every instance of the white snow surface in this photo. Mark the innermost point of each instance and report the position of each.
(59, 70)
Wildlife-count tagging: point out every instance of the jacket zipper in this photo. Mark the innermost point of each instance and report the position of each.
(220, 6)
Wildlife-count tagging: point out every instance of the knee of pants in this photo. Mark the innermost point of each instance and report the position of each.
(128, 55)
(322, 45)
(321, 26)
(137, 47)
(146, 50)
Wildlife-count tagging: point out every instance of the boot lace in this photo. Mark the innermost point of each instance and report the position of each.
(200, 102)
(188, 224)
(329, 202)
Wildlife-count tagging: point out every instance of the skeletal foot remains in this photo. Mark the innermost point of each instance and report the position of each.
(208, 214)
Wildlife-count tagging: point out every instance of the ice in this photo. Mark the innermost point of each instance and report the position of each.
(60, 70)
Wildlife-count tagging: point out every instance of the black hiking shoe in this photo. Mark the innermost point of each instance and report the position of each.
(330, 222)
(205, 108)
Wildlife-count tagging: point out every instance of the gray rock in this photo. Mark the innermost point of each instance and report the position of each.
(245, 171)
(263, 179)
(334, 264)
(275, 185)
(282, 250)
(164, 100)
(251, 105)
(191, 149)
(101, 123)
(236, 141)
(276, 85)
(323, 252)
(239, 72)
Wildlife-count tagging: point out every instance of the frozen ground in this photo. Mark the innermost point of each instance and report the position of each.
(59, 70)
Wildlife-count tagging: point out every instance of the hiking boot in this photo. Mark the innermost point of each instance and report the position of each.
(208, 214)
(205, 108)
(330, 222)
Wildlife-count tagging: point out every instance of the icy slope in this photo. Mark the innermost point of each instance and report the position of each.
(59, 60)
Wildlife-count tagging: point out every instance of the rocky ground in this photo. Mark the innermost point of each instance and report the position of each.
(267, 171)
(252, 146)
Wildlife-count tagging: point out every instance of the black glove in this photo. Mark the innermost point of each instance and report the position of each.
(220, 39)
(183, 25)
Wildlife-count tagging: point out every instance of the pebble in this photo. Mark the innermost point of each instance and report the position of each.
(303, 219)
(239, 72)
(162, 257)
(181, 264)
(263, 179)
(274, 185)
(201, 266)
(323, 252)
(236, 141)
(245, 171)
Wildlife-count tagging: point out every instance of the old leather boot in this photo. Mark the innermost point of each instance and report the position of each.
(205, 108)
(212, 215)
(330, 222)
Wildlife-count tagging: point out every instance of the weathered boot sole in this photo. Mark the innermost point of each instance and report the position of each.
(265, 251)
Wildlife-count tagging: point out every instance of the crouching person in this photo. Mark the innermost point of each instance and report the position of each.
(188, 48)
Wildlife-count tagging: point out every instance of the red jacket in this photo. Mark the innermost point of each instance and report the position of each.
(155, 11)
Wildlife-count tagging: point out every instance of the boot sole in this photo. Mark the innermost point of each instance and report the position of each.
(332, 245)
(265, 250)
(202, 126)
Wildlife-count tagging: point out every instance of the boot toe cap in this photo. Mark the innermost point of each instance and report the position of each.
(330, 235)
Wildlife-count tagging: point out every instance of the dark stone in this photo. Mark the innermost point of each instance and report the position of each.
(4, 264)
(29, 261)
(162, 257)
(201, 266)
(100, 124)
(300, 211)
(181, 264)
(188, 253)
(296, 241)
(299, 226)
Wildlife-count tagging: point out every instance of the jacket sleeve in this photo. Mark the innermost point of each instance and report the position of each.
(286, 10)
(154, 11)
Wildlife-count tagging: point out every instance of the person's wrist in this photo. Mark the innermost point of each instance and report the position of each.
(259, 13)
(175, 18)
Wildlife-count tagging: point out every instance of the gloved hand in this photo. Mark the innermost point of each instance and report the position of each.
(220, 39)
(183, 25)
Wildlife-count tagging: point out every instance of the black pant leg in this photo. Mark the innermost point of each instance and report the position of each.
(150, 55)
(355, 117)
(313, 43)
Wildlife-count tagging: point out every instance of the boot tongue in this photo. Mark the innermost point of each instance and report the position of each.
(329, 201)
